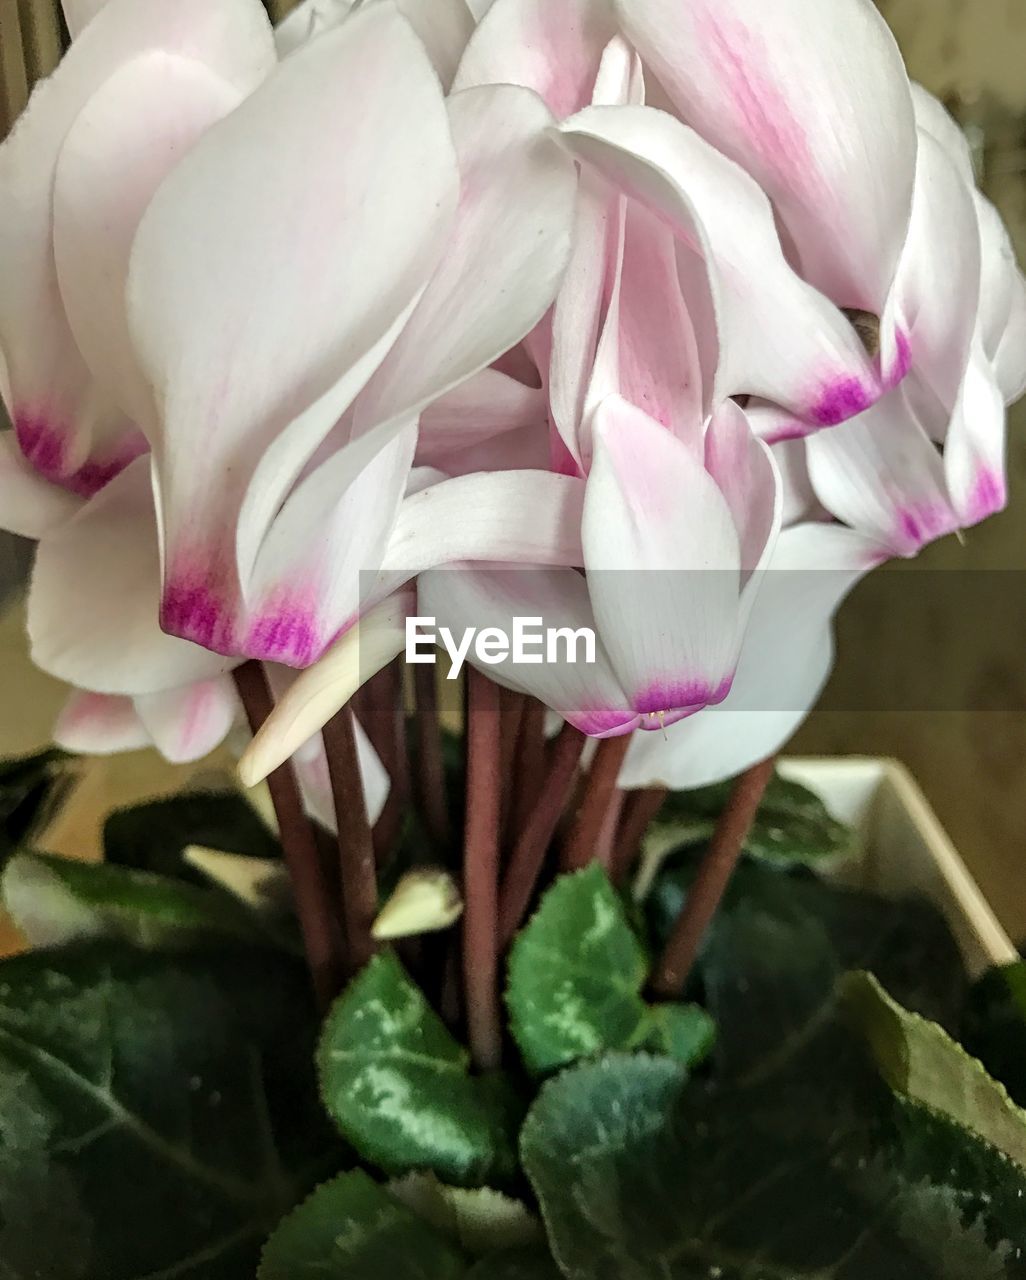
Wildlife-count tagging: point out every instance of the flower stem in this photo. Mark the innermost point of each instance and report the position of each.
(529, 757)
(385, 724)
(355, 842)
(430, 780)
(521, 878)
(714, 874)
(598, 794)
(481, 870)
(317, 922)
(638, 811)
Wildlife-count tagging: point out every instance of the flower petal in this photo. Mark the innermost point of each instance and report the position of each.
(554, 52)
(486, 405)
(938, 285)
(746, 473)
(272, 204)
(125, 141)
(974, 451)
(813, 100)
(29, 505)
(303, 592)
(186, 724)
(785, 659)
(99, 724)
(778, 338)
(93, 602)
(584, 692)
(514, 517)
(323, 689)
(663, 562)
(61, 421)
(882, 475)
(509, 246)
(1010, 357)
(311, 764)
(648, 352)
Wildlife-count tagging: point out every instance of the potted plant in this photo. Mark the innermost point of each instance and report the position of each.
(395, 332)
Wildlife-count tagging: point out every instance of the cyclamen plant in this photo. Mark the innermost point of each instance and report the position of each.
(663, 320)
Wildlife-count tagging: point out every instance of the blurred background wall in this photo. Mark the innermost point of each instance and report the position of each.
(972, 763)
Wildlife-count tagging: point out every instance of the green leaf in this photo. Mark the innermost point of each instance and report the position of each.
(157, 1114)
(353, 1229)
(153, 836)
(641, 1175)
(479, 1219)
(57, 900)
(684, 1032)
(918, 1059)
(31, 789)
(600, 1151)
(793, 826)
(994, 1026)
(576, 974)
(781, 941)
(400, 1089)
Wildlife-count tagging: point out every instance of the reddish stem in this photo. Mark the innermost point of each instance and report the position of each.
(385, 725)
(705, 894)
(605, 847)
(317, 922)
(638, 811)
(528, 858)
(582, 842)
(512, 706)
(355, 842)
(481, 870)
(530, 760)
(430, 780)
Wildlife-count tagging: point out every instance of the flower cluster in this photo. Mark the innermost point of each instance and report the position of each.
(688, 311)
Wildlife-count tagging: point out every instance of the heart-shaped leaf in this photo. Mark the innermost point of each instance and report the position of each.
(400, 1089)
(158, 1114)
(576, 973)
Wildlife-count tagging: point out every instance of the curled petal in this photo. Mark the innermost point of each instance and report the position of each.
(99, 724)
(746, 473)
(777, 336)
(323, 689)
(813, 100)
(663, 561)
(882, 475)
(186, 724)
(555, 52)
(784, 663)
(303, 593)
(938, 286)
(505, 259)
(125, 141)
(270, 203)
(974, 452)
(311, 764)
(513, 517)
(587, 693)
(29, 505)
(486, 405)
(65, 425)
(93, 602)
